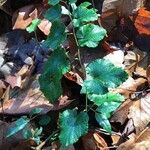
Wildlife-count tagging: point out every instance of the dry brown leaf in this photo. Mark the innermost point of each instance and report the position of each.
(24, 16)
(93, 141)
(22, 19)
(139, 142)
(121, 114)
(14, 81)
(140, 113)
(30, 99)
(128, 87)
(115, 139)
(113, 9)
(45, 26)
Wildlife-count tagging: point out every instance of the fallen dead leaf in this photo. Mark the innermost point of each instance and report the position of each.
(30, 99)
(128, 87)
(45, 26)
(113, 9)
(121, 114)
(138, 142)
(140, 113)
(115, 139)
(14, 81)
(93, 141)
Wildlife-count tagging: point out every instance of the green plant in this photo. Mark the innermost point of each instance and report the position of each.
(98, 76)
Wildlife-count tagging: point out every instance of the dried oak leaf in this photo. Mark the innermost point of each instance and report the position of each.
(142, 21)
(140, 113)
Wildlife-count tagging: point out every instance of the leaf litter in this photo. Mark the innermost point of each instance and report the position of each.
(22, 58)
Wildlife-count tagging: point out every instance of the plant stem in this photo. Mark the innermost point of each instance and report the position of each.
(77, 44)
(86, 102)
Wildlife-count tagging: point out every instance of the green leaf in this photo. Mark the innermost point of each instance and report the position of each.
(19, 125)
(83, 14)
(53, 13)
(38, 132)
(90, 35)
(44, 120)
(54, 69)
(73, 126)
(103, 121)
(72, 1)
(27, 134)
(109, 97)
(36, 111)
(37, 140)
(104, 112)
(107, 108)
(57, 35)
(33, 26)
(53, 2)
(101, 75)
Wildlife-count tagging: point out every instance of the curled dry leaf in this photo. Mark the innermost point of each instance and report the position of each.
(138, 142)
(140, 113)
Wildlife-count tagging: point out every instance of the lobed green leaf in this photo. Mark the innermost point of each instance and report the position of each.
(101, 75)
(73, 126)
(53, 13)
(54, 69)
(90, 35)
(57, 35)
